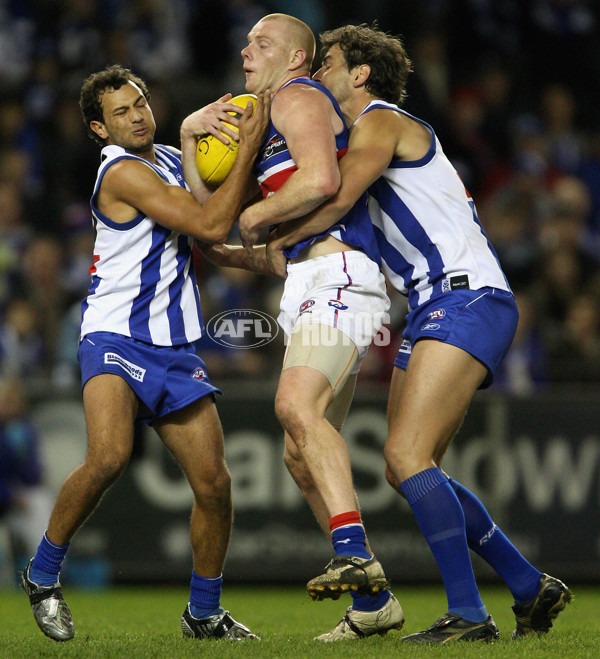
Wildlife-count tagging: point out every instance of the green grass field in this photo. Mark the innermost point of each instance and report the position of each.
(144, 622)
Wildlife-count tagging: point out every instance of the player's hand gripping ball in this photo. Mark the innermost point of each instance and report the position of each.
(214, 159)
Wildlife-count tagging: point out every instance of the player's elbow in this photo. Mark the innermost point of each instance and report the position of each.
(215, 235)
(328, 185)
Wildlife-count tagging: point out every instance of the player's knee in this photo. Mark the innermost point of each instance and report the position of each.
(106, 470)
(398, 461)
(289, 414)
(403, 462)
(213, 489)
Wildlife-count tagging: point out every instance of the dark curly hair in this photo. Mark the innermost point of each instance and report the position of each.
(93, 88)
(385, 54)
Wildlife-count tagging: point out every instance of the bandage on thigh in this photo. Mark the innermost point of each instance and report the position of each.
(338, 410)
(324, 348)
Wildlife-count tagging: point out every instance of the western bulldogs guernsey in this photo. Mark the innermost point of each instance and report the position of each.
(275, 165)
(143, 282)
(426, 225)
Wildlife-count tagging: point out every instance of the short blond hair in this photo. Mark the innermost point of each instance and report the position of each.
(301, 35)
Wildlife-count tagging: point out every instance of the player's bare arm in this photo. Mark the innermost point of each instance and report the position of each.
(209, 120)
(130, 186)
(235, 256)
(373, 142)
(304, 116)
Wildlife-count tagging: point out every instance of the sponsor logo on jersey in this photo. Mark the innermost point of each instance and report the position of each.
(306, 305)
(133, 370)
(198, 374)
(338, 305)
(454, 283)
(430, 326)
(242, 328)
(276, 145)
(459, 281)
(437, 314)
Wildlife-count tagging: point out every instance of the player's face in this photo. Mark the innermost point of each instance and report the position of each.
(128, 119)
(266, 56)
(334, 74)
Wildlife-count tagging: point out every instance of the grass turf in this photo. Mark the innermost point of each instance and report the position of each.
(144, 622)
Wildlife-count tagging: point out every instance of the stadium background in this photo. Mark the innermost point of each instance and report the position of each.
(512, 88)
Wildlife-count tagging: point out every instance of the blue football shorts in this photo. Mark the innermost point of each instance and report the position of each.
(164, 378)
(481, 322)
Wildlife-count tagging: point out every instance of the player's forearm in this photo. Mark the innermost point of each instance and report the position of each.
(288, 203)
(358, 172)
(312, 224)
(235, 256)
(223, 208)
(316, 222)
(198, 188)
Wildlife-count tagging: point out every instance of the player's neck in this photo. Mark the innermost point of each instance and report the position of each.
(147, 154)
(293, 76)
(354, 105)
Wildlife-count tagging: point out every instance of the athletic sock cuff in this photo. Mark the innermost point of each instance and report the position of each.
(52, 545)
(198, 578)
(351, 517)
(420, 484)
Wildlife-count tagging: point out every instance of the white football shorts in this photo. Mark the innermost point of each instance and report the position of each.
(344, 290)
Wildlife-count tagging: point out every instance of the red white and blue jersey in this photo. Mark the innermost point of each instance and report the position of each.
(429, 235)
(274, 165)
(143, 282)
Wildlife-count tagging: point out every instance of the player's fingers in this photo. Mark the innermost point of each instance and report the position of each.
(231, 134)
(234, 109)
(224, 98)
(268, 99)
(248, 110)
(263, 103)
(262, 113)
(218, 133)
(259, 106)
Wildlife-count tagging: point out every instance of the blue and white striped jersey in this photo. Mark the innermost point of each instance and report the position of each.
(430, 238)
(143, 282)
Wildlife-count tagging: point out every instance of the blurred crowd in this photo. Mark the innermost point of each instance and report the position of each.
(511, 87)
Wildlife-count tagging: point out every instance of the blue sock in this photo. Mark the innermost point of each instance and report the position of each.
(348, 535)
(488, 541)
(440, 517)
(369, 602)
(47, 562)
(205, 595)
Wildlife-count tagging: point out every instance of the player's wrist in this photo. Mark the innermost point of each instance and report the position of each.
(186, 135)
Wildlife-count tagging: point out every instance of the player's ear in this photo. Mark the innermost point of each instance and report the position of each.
(298, 58)
(99, 128)
(361, 75)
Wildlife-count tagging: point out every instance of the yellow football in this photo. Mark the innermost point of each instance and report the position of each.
(214, 159)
